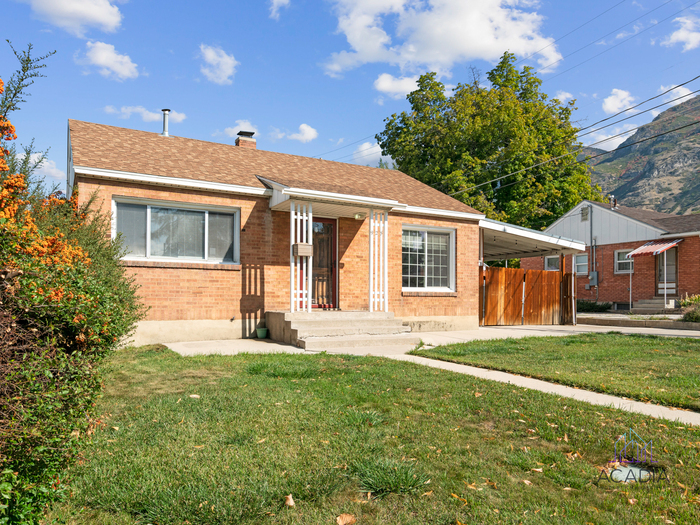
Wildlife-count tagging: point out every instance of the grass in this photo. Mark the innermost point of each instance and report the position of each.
(428, 445)
(663, 370)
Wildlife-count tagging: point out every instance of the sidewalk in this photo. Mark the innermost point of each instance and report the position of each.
(258, 346)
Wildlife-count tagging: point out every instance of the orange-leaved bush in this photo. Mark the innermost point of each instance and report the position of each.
(65, 303)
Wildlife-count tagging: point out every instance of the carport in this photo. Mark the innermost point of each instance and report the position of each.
(512, 296)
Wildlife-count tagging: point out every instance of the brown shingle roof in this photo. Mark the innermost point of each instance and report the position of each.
(668, 222)
(121, 149)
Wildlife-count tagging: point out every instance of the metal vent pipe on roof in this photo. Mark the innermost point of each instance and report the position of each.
(165, 122)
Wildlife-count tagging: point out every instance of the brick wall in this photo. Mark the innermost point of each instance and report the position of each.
(193, 291)
(615, 287)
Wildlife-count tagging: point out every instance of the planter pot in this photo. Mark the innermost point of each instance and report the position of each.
(262, 333)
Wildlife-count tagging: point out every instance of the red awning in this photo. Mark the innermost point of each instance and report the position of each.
(653, 248)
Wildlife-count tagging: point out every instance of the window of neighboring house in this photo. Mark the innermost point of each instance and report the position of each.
(623, 265)
(172, 232)
(427, 259)
(551, 264)
(582, 264)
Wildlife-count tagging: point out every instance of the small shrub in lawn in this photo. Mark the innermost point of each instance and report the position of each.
(368, 418)
(385, 476)
(592, 306)
(692, 316)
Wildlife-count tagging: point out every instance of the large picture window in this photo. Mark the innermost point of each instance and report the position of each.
(171, 232)
(427, 258)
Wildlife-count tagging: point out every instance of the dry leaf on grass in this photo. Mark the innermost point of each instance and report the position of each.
(289, 501)
(478, 394)
(527, 482)
(632, 501)
(194, 396)
(537, 470)
(345, 519)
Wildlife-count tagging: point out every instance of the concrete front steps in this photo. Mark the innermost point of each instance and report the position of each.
(653, 306)
(340, 331)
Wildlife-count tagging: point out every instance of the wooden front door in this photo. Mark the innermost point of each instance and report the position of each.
(324, 277)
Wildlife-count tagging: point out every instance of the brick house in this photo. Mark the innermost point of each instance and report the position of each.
(632, 255)
(219, 236)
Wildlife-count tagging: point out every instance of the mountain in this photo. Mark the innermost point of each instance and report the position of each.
(661, 174)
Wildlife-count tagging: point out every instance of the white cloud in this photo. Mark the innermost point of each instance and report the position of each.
(146, 115)
(47, 171)
(275, 6)
(563, 96)
(436, 34)
(368, 154)
(218, 67)
(241, 125)
(277, 134)
(110, 63)
(613, 143)
(306, 134)
(75, 16)
(675, 93)
(395, 87)
(617, 101)
(687, 34)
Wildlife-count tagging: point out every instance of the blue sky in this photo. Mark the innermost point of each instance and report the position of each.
(311, 77)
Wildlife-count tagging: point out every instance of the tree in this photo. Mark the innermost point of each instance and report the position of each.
(461, 144)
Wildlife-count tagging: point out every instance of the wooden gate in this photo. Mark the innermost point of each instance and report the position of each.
(511, 296)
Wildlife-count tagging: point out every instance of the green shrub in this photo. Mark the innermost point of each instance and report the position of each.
(385, 476)
(692, 316)
(592, 306)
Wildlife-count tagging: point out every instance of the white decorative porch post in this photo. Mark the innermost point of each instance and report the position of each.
(292, 259)
(300, 266)
(378, 261)
(310, 258)
(665, 284)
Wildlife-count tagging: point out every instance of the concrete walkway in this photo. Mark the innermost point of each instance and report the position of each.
(265, 346)
(672, 414)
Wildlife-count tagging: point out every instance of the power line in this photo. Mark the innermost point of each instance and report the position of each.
(572, 31)
(576, 153)
(618, 44)
(343, 147)
(353, 153)
(592, 42)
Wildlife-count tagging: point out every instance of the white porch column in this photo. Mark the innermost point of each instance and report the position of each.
(300, 267)
(378, 261)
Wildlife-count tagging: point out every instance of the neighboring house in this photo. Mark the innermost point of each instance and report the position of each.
(219, 235)
(616, 267)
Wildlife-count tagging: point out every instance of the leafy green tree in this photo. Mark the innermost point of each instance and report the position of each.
(460, 145)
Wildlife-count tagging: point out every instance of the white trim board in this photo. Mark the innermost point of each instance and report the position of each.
(171, 181)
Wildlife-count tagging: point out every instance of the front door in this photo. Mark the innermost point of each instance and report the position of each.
(669, 269)
(324, 277)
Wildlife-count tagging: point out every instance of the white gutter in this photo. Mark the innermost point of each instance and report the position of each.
(371, 202)
(441, 213)
(681, 234)
(171, 181)
(531, 234)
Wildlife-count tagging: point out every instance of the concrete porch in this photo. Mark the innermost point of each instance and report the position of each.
(318, 331)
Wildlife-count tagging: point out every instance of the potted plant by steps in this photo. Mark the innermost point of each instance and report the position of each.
(262, 332)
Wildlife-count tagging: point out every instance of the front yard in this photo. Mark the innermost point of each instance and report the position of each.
(214, 440)
(663, 370)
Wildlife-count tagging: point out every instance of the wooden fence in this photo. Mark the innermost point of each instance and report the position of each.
(511, 296)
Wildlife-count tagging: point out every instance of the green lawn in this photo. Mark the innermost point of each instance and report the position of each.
(663, 370)
(431, 446)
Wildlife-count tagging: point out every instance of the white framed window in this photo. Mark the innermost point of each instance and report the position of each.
(167, 231)
(427, 258)
(551, 263)
(581, 263)
(623, 265)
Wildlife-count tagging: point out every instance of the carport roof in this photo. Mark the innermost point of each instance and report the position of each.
(507, 241)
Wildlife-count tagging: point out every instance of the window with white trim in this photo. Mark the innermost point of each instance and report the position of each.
(551, 264)
(427, 259)
(622, 264)
(581, 264)
(183, 232)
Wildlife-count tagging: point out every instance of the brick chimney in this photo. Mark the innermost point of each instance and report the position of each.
(245, 139)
